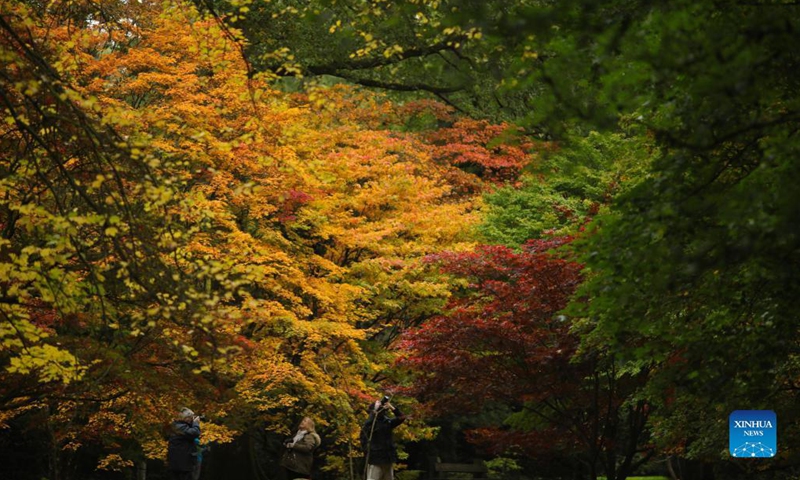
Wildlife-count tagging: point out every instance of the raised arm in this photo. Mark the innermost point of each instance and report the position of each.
(186, 430)
(399, 417)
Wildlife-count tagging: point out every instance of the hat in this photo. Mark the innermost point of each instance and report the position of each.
(186, 413)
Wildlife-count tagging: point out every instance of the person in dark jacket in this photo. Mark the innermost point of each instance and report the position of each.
(377, 440)
(302, 447)
(181, 448)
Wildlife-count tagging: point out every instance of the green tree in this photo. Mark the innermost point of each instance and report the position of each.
(416, 48)
(566, 188)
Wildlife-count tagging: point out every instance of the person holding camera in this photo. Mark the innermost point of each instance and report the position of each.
(298, 458)
(377, 439)
(181, 457)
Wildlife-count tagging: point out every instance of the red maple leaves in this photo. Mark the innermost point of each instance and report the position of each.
(502, 339)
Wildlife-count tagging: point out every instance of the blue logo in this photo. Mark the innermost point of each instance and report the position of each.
(753, 434)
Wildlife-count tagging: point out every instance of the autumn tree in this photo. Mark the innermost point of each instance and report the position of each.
(103, 304)
(178, 232)
(503, 346)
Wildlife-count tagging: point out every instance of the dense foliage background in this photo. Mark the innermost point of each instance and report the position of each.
(563, 234)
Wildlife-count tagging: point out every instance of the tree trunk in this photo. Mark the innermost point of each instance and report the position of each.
(671, 471)
(55, 471)
(141, 470)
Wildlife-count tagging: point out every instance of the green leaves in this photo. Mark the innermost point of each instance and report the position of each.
(565, 188)
(691, 273)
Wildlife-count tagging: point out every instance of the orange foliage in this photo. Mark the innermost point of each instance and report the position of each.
(299, 221)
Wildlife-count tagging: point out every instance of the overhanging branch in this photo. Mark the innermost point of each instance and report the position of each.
(402, 87)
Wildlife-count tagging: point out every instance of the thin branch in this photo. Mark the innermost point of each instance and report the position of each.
(403, 87)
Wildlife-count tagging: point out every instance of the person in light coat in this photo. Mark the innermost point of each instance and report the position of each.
(303, 444)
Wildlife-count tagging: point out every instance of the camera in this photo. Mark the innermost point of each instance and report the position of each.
(385, 399)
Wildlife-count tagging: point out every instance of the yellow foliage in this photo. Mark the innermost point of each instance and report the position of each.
(113, 462)
(263, 245)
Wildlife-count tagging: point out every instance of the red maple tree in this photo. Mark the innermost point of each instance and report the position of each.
(501, 331)
(504, 346)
